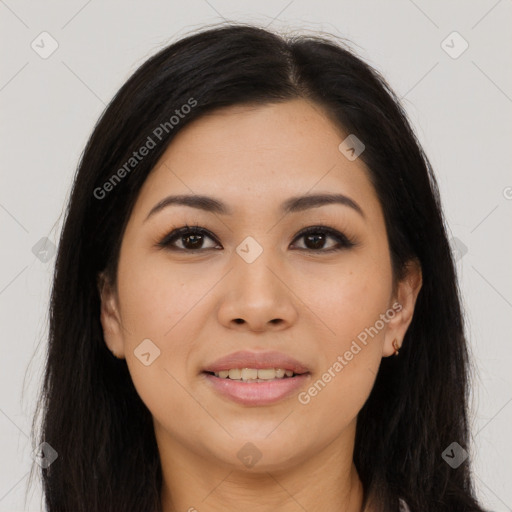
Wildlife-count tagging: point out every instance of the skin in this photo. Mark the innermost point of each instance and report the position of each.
(253, 158)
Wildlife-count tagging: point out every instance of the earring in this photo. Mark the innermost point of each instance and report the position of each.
(396, 346)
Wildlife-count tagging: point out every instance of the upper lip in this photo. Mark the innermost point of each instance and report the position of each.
(257, 360)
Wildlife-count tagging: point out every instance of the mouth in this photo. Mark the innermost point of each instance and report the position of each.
(255, 374)
(256, 378)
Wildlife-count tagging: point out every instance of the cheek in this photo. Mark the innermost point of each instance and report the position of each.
(154, 307)
(156, 297)
(158, 306)
(351, 299)
(334, 398)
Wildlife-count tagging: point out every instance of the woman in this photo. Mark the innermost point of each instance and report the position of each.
(257, 237)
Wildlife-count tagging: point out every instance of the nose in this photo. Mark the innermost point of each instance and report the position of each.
(257, 297)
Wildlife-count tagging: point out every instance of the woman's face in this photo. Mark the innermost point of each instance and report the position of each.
(254, 292)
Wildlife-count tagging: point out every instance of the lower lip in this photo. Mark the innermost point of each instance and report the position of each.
(257, 393)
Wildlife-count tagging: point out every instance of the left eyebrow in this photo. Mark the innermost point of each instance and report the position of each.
(291, 205)
(301, 203)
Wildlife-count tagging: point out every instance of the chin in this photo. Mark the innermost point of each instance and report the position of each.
(253, 454)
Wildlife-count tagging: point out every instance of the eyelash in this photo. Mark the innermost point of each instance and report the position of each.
(343, 241)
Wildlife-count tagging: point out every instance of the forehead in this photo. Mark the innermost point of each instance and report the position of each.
(260, 152)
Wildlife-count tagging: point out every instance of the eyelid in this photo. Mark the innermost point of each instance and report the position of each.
(182, 231)
(344, 241)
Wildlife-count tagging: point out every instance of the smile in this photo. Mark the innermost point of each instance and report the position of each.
(254, 375)
(256, 392)
(256, 378)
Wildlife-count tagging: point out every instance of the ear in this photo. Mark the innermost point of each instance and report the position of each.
(110, 317)
(403, 303)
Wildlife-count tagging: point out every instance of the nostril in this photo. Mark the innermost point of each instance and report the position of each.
(239, 320)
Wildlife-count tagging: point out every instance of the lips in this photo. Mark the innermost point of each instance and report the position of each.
(256, 360)
(253, 391)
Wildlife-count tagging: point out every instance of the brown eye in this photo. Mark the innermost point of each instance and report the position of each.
(190, 238)
(315, 238)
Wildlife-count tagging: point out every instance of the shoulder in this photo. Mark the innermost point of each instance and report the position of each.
(403, 506)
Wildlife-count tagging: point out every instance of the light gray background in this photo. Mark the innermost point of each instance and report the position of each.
(461, 109)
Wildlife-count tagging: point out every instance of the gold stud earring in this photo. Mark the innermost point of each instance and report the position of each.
(396, 346)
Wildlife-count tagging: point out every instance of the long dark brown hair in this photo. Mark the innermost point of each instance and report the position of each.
(90, 411)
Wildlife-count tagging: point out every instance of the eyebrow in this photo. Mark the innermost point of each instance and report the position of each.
(294, 204)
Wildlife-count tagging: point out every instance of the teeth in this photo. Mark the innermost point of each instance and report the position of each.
(247, 374)
(266, 374)
(253, 374)
(235, 374)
